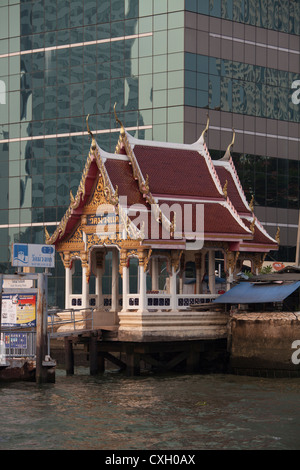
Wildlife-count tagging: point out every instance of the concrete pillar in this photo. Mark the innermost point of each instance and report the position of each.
(154, 262)
(202, 270)
(142, 288)
(198, 272)
(114, 281)
(180, 285)
(173, 291)
(229, 279)
(125, 287)
(85, 287)
(98, 287)
(68, 287)
(211, 271)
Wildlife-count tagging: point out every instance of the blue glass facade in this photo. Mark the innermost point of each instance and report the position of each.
(240, 88)
(278, 15)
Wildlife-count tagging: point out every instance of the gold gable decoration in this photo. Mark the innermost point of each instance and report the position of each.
(101, 195)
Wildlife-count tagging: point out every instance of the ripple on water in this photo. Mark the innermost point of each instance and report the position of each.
(172, 412)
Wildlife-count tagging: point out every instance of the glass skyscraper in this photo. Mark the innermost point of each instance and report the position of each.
(167, 64)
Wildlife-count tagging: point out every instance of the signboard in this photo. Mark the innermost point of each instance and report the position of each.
(17, 283)
(18, 310)
(34, 256)
(16, 340)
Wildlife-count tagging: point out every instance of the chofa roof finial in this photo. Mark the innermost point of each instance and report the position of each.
(227, 153)
(118, 120)
(91, 134)
(206, 128)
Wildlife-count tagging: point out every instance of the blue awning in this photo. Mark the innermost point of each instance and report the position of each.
(250, 293)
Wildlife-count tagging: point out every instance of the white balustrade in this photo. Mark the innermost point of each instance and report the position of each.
(154, 301)
(133, 301)
(187, 301)
(76, 301)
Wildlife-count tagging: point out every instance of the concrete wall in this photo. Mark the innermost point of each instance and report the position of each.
(261, 343)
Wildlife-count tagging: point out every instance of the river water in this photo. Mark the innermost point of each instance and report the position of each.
(154, 412)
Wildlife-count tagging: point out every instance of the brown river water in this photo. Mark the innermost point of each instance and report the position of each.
(173, 412)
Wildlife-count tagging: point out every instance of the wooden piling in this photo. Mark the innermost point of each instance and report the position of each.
(93, 352)
(69, 357)
(192, 362)
(132, 361)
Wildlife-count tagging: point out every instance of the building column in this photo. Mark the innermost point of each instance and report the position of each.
(124, 271)
(68, 286)
(231, 260)
(180, 284)
(115, 281)
(211, 272)
(125, 287)
(85, 286)
(98, 287)
(173, 289)
(154, 273)
(202, 269)
(99, 265)
(198, 272)
(142, 284)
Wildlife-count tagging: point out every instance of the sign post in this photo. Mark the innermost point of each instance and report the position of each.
(33, 300)
(41, 330)
(2, 347)
(1, 282)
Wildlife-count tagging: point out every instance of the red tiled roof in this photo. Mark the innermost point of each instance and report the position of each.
(176, 172)
(218, 219)
(259, 236)
(120, 174)
(232, 190)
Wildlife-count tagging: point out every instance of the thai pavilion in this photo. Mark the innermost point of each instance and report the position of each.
(156, 209)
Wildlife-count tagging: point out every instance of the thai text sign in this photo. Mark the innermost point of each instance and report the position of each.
(16, 340)
(35, 256)
(18, 310)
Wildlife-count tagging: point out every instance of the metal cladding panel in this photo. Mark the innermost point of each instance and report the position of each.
(250, 293)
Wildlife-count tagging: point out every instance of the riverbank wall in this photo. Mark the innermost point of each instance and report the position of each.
(264, 344)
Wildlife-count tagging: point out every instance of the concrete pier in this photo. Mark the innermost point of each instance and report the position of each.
(261, 344)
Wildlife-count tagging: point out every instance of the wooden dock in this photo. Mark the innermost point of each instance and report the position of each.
(102, 345)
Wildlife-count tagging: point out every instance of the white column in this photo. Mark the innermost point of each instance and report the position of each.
(211, 271)
(99, 273)
(125, 287)
(68, 287)
(198, 272)
(142, 289)
(114, 281)
(173, 290)
(202, 271)
(229, 279)
(198, 281)
(85, 288)
(154, 273)
(180, 285)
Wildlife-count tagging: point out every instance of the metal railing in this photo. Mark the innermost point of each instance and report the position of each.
(16, 343)
(72, 319)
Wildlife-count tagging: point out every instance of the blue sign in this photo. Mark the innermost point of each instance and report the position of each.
(16, 340)
(21, 255)
(34, 256)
